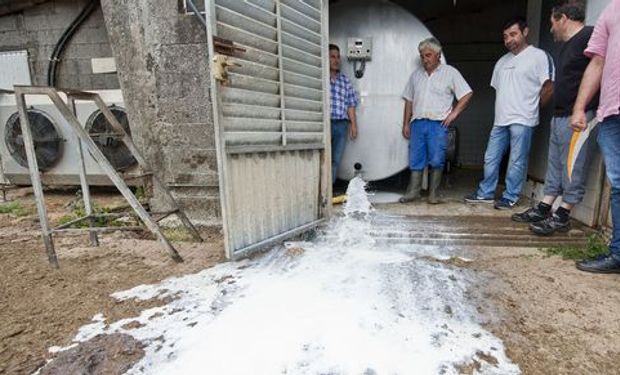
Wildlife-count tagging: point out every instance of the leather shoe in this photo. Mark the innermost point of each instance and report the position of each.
(607, 264)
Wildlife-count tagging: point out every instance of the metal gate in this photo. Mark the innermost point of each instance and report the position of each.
(271, 109)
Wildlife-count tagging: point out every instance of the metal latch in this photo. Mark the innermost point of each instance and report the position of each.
(220, 68)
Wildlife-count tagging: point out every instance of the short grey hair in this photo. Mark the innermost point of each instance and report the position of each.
(431, 43)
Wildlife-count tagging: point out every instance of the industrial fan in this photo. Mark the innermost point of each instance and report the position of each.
(108, 142)
(47, 140)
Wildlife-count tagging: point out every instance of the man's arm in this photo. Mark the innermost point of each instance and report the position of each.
(458, 108)
(590, 84)
(407, 113)
(546, 93)
(353, 124)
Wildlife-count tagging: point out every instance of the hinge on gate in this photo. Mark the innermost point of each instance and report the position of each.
(225, 46)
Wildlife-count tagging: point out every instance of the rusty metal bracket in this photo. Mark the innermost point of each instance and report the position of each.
(225, 46)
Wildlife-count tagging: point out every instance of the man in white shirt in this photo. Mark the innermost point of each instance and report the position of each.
(429, 98)
(523, 80)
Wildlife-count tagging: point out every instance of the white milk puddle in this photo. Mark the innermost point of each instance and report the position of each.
(384, 197)
(341, 304)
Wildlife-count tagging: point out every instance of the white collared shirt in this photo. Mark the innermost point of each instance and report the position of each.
(433, 94)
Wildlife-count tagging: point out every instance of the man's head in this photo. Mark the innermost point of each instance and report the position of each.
(430, 54)
(515, 34)
(565, 18)
(334, 58)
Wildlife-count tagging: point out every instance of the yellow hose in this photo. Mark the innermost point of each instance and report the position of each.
(339, 199)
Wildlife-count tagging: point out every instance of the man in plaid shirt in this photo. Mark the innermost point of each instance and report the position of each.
(343, 103)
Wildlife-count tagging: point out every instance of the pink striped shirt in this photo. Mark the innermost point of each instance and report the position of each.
(605, 42)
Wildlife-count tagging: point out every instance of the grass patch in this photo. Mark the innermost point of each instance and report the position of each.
(14, 208)
(78, 211)
(177, 234)
(593, 248)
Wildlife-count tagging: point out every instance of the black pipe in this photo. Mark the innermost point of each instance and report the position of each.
(52, 68)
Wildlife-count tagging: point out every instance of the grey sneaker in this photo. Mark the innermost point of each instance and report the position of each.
(474, 198)
(504, 204)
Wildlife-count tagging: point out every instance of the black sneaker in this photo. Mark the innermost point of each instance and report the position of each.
(550, 225)
(607, 264)
(474, 198)
(531, 215)
(504, 204)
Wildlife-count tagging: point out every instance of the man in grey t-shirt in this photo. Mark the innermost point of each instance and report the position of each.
(522, 79)
(562, 184)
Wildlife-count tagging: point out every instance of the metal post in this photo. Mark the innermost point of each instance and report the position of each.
(109, 169)
(180, 213)
(94, 241)
(35, 178)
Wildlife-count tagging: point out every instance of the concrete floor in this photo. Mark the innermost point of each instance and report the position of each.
(455, 222)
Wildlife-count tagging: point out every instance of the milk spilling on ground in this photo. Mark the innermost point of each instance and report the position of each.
(344, 303)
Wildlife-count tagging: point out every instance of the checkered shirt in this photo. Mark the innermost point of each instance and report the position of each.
(342, 97)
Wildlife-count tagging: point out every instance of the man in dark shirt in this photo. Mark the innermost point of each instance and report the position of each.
(566, 26)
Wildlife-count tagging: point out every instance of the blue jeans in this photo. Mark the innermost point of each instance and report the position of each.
(427, 144)
(519, 138)
(609, 141)
(340, 129)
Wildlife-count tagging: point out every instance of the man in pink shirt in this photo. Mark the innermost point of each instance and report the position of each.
(603, 72)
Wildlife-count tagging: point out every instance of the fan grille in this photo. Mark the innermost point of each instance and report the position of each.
(46, 138)
(110, 145)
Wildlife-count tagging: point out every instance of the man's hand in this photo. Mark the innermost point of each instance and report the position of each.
(458, 108)
(448, 120)
(406, 131)
(352, 131)
(578, 121)
(590, 84)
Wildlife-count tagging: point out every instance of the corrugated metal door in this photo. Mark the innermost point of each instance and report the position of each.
(271, 119)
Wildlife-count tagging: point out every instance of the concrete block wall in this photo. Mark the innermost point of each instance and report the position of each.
(161, 57)
(38, 29)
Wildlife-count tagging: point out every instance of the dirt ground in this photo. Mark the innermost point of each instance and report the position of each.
(552, 318)
(42, 307)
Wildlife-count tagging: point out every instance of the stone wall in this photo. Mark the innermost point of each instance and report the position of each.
(161, 57)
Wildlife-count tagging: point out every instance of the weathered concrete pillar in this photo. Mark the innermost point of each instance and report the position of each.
(161, 57)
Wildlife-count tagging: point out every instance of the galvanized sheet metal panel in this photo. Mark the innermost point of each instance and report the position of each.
(272, 118)
(14, 69)
(303, 92)
(304, 81)
(299, 55)
(246, 38)
(252, 11)
(303, 7)
(277, 210)
(253, 83)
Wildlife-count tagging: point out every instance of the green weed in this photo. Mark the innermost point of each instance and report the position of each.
(593, 248)
(14, 208)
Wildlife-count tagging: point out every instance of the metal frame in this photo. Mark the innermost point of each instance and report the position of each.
(4, 188)
(82, 136)
(326, 158)
(225, 151)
